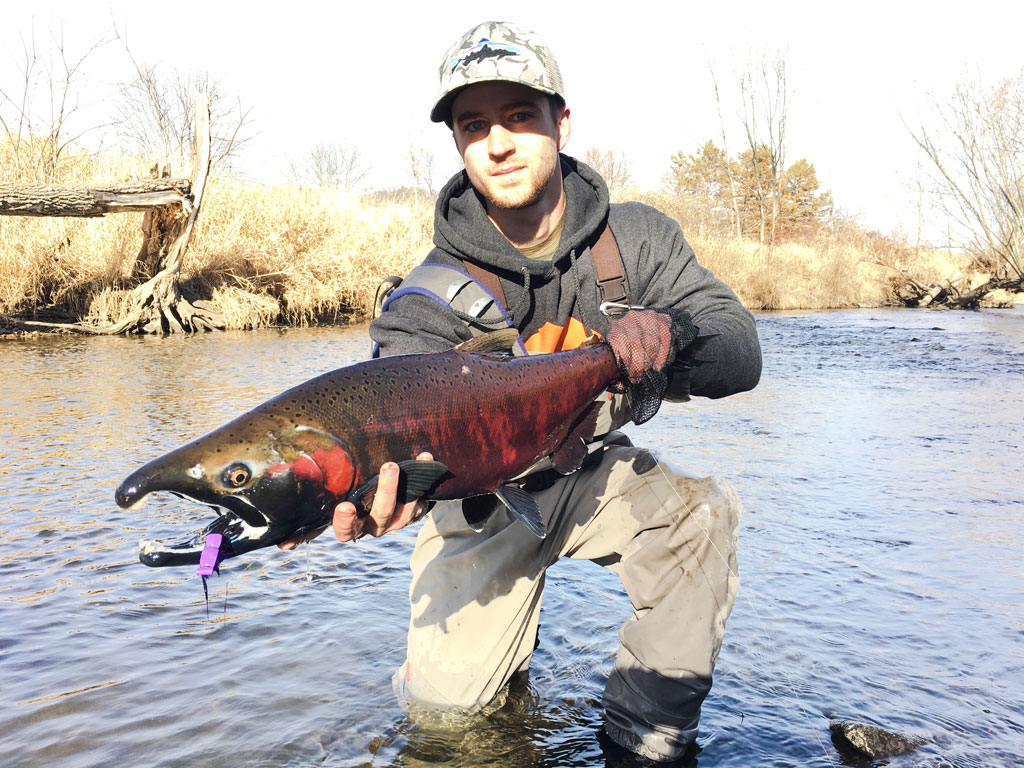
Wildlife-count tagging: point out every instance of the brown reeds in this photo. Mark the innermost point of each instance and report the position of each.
(298, 255)
(840, 266)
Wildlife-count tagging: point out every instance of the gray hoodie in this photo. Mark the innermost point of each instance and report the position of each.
(661, 271)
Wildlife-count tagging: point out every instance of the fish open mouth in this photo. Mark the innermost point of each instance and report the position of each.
(239, 535)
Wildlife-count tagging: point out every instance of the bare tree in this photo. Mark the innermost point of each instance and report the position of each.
(613, 167)
(333, 165)
(155, 113)
(919, 189)
(976, 145)
(40, 136)
(728, 166)
(421, 168)
(765, 97)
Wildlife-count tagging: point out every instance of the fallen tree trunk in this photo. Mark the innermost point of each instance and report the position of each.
(938, 292)
(973, 298)
(143, 195)
(947, 294)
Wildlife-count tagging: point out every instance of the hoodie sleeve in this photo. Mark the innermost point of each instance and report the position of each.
(655, 251)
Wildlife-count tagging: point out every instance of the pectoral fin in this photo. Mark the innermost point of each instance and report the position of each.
(415, 480)
(523, 506)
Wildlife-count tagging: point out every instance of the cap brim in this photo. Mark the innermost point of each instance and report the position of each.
(442, 111)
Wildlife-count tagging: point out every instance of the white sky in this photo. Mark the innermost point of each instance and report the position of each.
(636, 74)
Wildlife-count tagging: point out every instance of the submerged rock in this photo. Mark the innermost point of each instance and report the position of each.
(871, 740)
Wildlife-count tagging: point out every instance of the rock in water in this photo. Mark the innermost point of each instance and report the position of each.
(871, 740)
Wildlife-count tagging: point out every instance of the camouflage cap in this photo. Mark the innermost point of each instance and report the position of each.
(496, 50)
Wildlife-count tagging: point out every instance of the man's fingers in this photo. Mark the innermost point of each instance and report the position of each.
(642, 341)
(408, 513)
(383, 509)
(347, 525)
(386, 514)
(412, 510)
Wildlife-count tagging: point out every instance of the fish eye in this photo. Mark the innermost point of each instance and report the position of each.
(236, 475)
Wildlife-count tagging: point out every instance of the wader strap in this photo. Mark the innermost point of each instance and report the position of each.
(611, 278)
(486, 278)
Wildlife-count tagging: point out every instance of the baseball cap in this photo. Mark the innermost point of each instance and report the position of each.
(496, 50)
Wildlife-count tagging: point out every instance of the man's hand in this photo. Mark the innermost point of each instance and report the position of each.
(648, 340)
(641, 341)
(386, 514)
(645, 342)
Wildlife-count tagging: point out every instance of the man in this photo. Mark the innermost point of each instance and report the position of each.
(532, 218)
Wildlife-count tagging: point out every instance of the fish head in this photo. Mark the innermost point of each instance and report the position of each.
(267, 481)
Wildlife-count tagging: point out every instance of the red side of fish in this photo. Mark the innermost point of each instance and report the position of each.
(486, 419)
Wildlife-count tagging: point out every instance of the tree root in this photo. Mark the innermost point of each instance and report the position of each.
(159, 307)
(156, 306)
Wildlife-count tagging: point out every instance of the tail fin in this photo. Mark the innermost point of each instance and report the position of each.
(645, 395)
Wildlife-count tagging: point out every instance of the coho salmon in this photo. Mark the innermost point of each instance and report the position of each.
(486, 416)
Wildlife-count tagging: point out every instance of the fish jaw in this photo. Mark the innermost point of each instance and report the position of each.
(238, 537)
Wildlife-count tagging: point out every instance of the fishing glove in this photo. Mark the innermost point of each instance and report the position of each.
(645, 343)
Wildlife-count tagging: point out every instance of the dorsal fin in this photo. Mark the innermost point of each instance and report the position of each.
(494, 343)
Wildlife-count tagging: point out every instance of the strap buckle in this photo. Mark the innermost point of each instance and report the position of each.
(615, 308)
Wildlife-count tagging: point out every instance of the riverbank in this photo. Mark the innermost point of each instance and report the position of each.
(297, 255)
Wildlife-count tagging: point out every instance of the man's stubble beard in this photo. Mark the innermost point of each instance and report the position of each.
(533, 195)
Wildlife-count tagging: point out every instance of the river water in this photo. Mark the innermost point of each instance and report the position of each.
(880, 556)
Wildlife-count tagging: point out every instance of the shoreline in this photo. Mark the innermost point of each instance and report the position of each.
(13, 329)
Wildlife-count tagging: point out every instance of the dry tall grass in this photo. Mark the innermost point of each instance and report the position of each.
(830, 271)
(297, 255)
(840, 267)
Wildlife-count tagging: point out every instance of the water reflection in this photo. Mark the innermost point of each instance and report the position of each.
(879, 467)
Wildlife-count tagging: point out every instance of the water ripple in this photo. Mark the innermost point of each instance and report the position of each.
(880, 566)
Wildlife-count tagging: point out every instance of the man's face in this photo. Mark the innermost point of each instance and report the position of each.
(509, 140)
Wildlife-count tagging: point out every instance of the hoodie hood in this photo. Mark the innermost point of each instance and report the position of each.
(462, 228)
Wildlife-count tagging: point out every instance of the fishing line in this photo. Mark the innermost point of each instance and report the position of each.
(734, 572)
